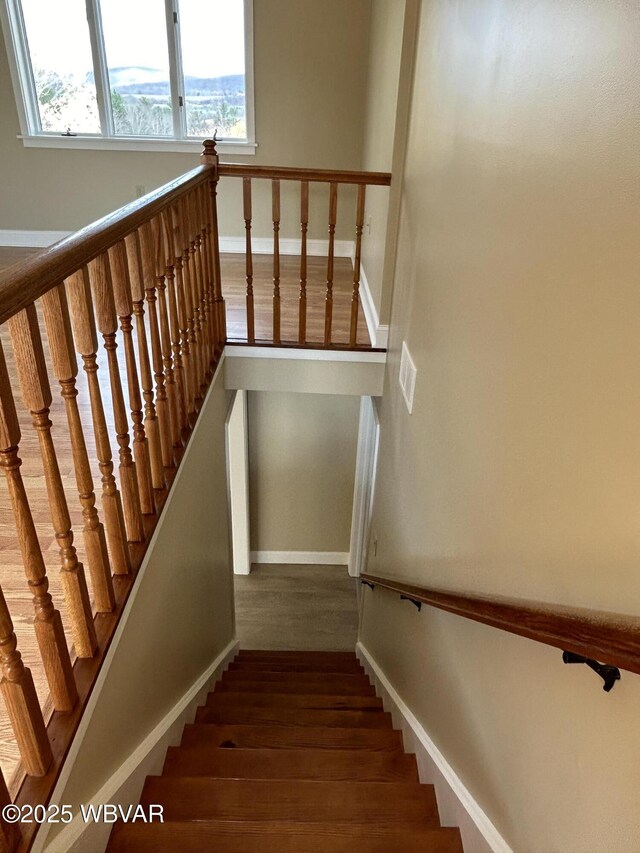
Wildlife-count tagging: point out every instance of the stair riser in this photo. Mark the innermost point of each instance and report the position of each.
(227, 699)
(327, 765)
(390, 803)
(287, 687)
(289, 737)
(276, 666)
(297, 718)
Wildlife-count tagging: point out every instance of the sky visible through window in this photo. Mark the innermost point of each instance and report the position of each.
(135, 36)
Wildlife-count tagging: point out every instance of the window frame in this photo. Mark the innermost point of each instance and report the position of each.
(31, 132)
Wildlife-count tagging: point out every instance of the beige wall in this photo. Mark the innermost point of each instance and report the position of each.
(310, 74)
(302, 454)
(385, 50)
(182, 615)
(517, 291)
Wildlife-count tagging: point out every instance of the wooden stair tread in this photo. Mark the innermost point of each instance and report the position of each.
(291, 737)
(330, 687)
(293, 717)
(201, 798)
(301, 677)
(321, 764)
(293, 666)
(318, 702)
(280, 837)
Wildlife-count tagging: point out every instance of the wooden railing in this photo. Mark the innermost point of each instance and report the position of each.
(610, 637)
(147, 277)
(304, 177)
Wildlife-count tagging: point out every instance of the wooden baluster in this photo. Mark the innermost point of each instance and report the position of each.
(162, 404)
(86, 340)
(207, 261)
(194, 311)
(333, 210)
(151, 423)
(124, 309)
(176, 345)
(355, 298)
(202, 284)
(184, 311)
(165, 335)
(10, 834)
(47, 624)
(210, 157)
(102, 289)
(246, 198)
(275, 211)
(304, 225)
(20, 698)
(65, 369)
(34, 382)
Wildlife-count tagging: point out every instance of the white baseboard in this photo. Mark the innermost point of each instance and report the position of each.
(302, 558)
(379, 334)
(456, 804)
(125, 785)
(264, 246)
(31, 239)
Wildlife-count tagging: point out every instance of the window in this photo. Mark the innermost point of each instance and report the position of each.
(149, 74)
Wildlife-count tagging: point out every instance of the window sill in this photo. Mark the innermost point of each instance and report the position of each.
(167, 146)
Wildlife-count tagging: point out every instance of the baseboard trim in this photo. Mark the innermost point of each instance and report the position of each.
(379, 334)
(125, 785)
(31, 239)
(477, 830)
(302, 558)
(264, 246)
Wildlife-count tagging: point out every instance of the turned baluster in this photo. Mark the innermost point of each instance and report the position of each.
(192, 285)
(162, 403)
(210, 157)
(157, 232)
(124, 309)
(184, 311)
(246, 198)
(333, 210)
(275, 211)
(355, 298)
(102, 289)
(19, 694)
(86, 341)
(176, 345)
(304, 225)
(207, 262)
(151, 423)
(10, 834)
(65, 369)
(202, 281)
(36, 393)
(47, 624)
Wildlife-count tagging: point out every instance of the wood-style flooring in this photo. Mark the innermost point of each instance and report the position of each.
(298, 594)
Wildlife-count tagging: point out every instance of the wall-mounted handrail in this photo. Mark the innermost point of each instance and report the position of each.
(595, 634)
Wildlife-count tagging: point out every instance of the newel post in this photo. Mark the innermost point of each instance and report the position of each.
(209, 157)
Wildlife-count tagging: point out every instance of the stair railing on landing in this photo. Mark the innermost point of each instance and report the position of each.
(146, 277)
(584, 635)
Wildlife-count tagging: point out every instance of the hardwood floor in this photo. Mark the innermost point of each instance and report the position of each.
(296, 594)
(296, 607)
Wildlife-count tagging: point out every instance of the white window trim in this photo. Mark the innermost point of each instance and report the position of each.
(29, 118)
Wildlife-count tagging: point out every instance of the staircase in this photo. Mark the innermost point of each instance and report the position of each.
(292, 753)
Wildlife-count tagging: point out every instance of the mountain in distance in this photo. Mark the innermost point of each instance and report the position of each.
(141, 80)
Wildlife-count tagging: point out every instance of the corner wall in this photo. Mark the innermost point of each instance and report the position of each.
(516, 290)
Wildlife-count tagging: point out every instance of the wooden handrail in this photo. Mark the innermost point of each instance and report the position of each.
(22, 284)
(610, 637)
(286, 173)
